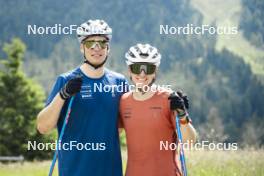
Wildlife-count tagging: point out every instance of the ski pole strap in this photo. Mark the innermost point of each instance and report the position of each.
(182, 157)
(65, 122)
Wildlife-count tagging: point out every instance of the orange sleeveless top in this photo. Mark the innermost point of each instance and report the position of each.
(147, 124)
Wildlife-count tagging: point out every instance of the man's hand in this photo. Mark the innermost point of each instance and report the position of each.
(72, 87)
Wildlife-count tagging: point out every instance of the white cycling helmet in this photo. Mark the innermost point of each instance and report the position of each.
(143, 53)
(93, 27)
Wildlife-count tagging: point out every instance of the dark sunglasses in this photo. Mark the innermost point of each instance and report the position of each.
(149, 69)
(92, 43)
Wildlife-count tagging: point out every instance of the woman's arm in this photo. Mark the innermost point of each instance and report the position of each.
(189, 134)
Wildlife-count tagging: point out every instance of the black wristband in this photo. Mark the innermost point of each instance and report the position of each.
(181, 114)
(63, 94)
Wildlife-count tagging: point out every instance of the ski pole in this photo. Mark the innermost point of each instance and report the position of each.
(182, 157)
(65, 122)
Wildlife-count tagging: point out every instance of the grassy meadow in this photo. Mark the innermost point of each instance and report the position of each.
(200, 163)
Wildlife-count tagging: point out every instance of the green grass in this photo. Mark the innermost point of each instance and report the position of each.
(226, 163)
(200, 163)
(26, 169)
(227, 13)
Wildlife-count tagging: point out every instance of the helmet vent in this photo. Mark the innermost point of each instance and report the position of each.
(144, 55)
(131, 54)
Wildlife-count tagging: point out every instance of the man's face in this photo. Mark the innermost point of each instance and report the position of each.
(95, 49)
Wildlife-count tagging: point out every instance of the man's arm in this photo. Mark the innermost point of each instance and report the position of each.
(48, 117)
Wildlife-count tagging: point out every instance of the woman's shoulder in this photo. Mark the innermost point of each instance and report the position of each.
(163, 92)
(126, 96)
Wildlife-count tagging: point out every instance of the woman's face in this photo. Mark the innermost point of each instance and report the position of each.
(142, 79)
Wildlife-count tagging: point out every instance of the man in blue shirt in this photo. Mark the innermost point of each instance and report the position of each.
(90, 144)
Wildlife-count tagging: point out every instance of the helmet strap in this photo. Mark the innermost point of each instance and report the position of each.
(141, 91)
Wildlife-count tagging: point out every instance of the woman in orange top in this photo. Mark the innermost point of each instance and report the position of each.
(148, 117)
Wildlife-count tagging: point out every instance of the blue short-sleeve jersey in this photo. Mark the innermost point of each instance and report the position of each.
(90, 145)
